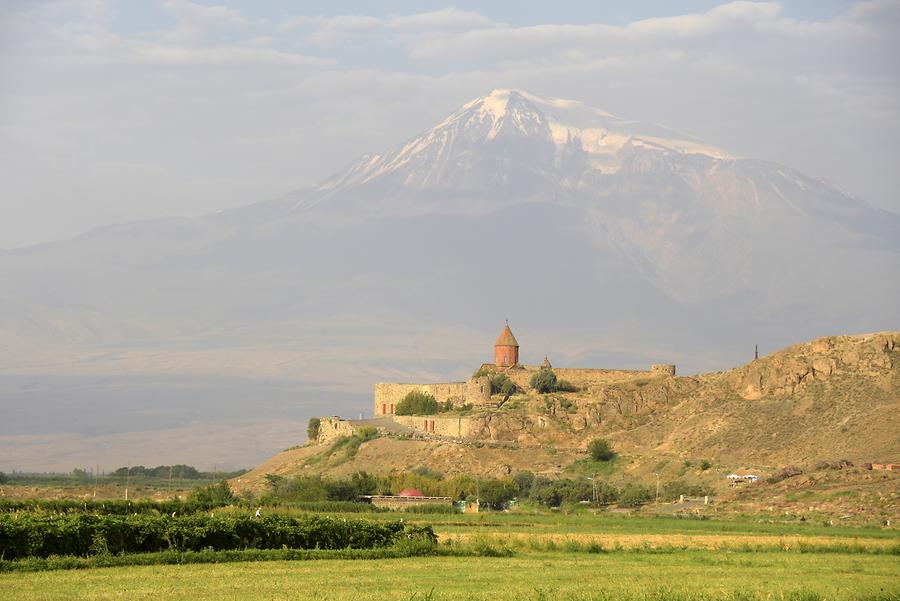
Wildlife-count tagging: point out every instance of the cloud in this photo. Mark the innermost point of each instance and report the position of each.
(216, 107)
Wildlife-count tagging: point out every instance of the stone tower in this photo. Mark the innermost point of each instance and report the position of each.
(506, 349)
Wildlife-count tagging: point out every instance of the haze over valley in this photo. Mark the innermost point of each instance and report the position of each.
(605, 240)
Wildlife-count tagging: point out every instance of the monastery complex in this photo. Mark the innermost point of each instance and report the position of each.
(475, 393)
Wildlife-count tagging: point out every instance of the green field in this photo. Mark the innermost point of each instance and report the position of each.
(517, 555)
(562, 575)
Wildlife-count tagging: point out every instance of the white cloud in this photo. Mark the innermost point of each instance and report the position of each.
(223, 109)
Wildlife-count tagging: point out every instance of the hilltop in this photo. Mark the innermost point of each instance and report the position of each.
(811, 405)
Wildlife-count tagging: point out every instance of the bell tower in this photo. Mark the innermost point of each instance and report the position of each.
(506, 349)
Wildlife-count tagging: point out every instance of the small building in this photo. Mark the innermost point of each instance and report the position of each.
(409, 497)
(742, 478)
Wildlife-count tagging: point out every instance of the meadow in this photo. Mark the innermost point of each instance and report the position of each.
(516, 555)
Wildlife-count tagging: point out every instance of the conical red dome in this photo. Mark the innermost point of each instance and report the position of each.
(506, 338)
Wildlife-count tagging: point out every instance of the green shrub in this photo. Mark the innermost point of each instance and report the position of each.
(544, 381)
(501, 384)
(634, 495)
(497, 493)
(483, 371)
(367, 433)
(83, 535)
(600, 450)
(313, 428)
(565, 386)
(674, 489)
(212, 494)
(523, 481)
(417, 403)
(705, 465)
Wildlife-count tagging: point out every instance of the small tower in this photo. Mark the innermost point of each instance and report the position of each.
(506, 349)
(545, 364)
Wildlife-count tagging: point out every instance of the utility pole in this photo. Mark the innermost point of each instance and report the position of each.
(755, 352)
(657, 487)
(127, 479)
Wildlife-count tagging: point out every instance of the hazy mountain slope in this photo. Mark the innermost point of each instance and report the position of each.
(604, 240)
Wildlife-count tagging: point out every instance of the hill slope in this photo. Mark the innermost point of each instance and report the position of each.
(830, 399)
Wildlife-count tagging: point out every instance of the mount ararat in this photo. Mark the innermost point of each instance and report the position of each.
(606, 242)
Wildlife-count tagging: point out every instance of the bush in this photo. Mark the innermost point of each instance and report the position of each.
(565, 386)
(3, 478)
(544, 381)
(705, 465)
(523, 481)
(367, 433)
(212, 494)
(554, 493)
(501, 384)
(417, 403)
(497, 493)
(634, 495)
(313, 428)
(83, 535)
(674, 489)
(600, 450)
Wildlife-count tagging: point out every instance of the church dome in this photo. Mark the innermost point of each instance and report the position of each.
(506, 338)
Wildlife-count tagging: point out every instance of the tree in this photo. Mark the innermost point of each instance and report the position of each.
(313, 428)
(274, 480)
(503, 385)
(544, 381)
(417, 403)
(600, 450)
(523, 481)
(497, 493)
(635, 494)
(218, 493)
(3, 478)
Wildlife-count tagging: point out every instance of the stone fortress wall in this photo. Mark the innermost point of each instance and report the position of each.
(333, 427)
(450, 426)
(475, 391)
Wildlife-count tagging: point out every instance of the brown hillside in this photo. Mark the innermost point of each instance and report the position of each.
(829, 399)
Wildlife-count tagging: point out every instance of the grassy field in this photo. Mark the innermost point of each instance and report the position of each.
(560, 575)
(549, 556)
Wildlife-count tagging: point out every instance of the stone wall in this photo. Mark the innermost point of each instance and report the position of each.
(476, 391)
(331, 428)
(584, 379)
(662, 369)
(450, 426)
(395, 502)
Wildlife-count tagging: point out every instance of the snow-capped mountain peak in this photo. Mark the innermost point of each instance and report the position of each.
(515, 141)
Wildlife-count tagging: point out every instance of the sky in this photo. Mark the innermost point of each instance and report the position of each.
(114, 111)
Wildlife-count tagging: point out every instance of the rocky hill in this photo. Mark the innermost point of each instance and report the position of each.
(832, 399)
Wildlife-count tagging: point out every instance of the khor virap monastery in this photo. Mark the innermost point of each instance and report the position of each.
(475, 393)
